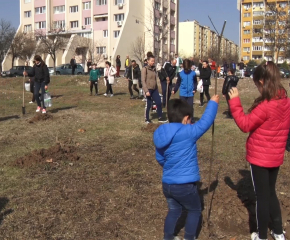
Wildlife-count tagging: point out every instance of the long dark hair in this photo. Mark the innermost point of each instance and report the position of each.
(118, 56)
(39, 59)
(271, 88)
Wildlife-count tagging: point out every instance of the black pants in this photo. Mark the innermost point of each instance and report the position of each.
(189, 100)
(109, 87)
(92, 86)
(229, 109)
(164, 86)
(206, 92)
(268, 207)
(37, 87)
(130, 84)
(73, 70)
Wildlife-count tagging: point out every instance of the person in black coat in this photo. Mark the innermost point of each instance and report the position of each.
(132, 76)
(167, 74)
(205, 73)
(41, 80)
(230, 82)
(73, 65)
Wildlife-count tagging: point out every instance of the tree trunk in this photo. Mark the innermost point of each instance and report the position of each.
(13, 58)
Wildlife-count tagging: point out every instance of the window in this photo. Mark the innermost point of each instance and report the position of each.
(246, 49)
(257, 48)
(86, 34)
(257, 22)
(105, 33)
(282, 4)
(258, 13)
(59, 24)
(247, 14)
(101, 2)
(88, 21)
(27, 1)
(246, 40)
(87, 5)
(246, 58)
(103, 19)
(257, 39)
(119, 2)
(247, 6)
(40, 10)
(282, 13)
(59, 9)
(157, 21)
(27, 14)
(40, 25)
(157, 5)
(101, 50)
(28, 28)
(172, 41)
(247, 31)
(74, 24)
(283, 23)
(267, 48)
(246, 24)
(73, 9)
(119, 17)
(258, 4)
(165, 41)
(116, 34)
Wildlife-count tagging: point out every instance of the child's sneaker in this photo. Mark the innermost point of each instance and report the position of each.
(147, 121)
(112, 95)
(255, 236)
(43, 111)
(278, 237)
(105, 94)
(38, 109)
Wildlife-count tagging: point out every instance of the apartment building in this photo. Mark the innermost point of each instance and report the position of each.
(112, 25)
(200, 41)
(264, 29)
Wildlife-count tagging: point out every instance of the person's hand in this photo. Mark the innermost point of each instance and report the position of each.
(224, 96)
(233, 93)
(148, 94)
(25, 73)
(193, 91)
(172, 92)
(46, 87)
(215, 98)
(168, 80)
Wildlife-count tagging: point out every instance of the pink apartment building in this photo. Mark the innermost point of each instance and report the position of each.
(113, 25)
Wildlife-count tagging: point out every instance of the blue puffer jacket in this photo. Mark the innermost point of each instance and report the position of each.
(187, 82)
(176, 147)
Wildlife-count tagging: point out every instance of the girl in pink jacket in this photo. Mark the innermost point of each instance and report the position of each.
(268, 123)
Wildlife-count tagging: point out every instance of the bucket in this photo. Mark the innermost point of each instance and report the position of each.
(27, 87)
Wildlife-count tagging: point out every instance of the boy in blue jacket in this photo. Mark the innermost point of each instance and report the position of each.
(176, 152)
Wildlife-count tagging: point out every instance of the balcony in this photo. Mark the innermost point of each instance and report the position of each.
(172, 6)
(165, 3)
(172, 20)
(172, 47)
(172, 34)
(100, 9)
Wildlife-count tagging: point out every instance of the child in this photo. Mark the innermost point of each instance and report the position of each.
(268, 123)
(94, 78)
(176, 152)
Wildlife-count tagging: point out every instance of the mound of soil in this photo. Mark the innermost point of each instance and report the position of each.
(41, 117)
(51, 155)
(151, 127)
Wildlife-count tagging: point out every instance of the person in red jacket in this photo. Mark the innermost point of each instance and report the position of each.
(268, 123)
(212, 65)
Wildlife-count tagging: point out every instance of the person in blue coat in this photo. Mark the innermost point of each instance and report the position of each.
(176, 152)
(187, 83)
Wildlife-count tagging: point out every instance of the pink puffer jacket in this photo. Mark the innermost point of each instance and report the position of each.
(268, 125)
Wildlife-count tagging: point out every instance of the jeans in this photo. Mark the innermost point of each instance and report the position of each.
(164, 86)
(212, 73)
(109, 87)
(206, 92)
(267, 206)
(130, 84)
(242, 73)
(37, 87)
(178, 197)
(154, 95)
(126, 71)
(189, 100)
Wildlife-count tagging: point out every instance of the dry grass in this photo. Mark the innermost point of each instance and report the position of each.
(113, 191)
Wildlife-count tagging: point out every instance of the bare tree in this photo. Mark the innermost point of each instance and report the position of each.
(7, 33)
(51, 43)
(138, 49)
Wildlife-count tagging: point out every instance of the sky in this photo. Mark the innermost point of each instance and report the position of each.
(218, 10)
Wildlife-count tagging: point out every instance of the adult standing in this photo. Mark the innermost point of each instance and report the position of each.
(133, 77)
(212, 65)
(150, 88)
(118, 65)
(167, 74)
(73, 65)
(242, 67)
(233, 66)
(205, 73)
(89, 65)
(127, 65)
(187, 82)
(41, 80)
(109, 75)
(226, 68)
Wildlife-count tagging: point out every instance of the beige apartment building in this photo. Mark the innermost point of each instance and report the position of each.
(200, 41)
(112, 26)
(261, 26)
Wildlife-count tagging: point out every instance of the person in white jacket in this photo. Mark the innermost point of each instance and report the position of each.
(109, 75)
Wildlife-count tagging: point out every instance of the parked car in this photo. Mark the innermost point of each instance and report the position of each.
(249, 72)
(286, 73)
(17, 71)
(65, 69)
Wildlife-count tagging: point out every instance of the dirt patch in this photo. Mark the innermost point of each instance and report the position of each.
(41, 117)
(51, 155)
(151, 127)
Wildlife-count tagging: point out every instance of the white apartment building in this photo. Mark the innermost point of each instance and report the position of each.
(113, 25)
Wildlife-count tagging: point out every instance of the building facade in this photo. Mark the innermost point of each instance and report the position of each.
(200, 41)
(264, 30)
(112, 25)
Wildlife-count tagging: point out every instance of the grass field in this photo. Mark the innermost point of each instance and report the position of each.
(87, 170)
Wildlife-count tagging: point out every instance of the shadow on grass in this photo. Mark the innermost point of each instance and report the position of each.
(9, 117)
(246, 194)
(62, 109)
(56, 96)
(3, 202)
